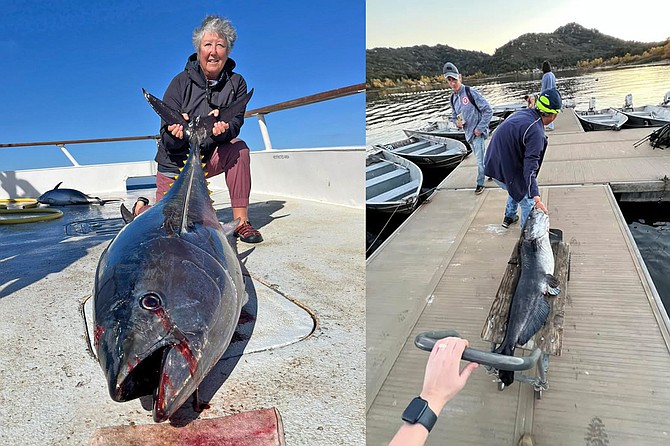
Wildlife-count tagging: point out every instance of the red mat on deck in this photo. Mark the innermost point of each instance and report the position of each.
(258, 428)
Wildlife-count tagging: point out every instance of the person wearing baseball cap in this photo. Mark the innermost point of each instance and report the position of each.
(515, 155)
(472, 113)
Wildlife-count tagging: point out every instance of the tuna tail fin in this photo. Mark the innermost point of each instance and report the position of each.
(536, 321)
(167, 114)
(235, 108)
(172, 116)
(552, 285)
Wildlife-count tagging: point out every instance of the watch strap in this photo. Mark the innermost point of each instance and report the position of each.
(427, 418)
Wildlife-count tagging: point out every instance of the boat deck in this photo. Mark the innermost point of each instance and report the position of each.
(441, 271)
(303, 321)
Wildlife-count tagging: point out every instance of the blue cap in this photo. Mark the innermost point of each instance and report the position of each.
(549, 101)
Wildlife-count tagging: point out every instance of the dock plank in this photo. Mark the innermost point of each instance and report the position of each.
(611, 378)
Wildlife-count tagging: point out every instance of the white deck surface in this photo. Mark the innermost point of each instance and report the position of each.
(310, 267)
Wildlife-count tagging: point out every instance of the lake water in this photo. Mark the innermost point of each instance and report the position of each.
(649, 223)
(389, 115)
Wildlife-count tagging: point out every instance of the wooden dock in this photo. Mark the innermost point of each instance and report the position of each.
(441, 270)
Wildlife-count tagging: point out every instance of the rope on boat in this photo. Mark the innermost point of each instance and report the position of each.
(382, 229)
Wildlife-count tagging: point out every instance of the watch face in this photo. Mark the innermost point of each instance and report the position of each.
(414, 411)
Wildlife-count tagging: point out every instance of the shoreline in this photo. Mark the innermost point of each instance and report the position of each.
(377, 93)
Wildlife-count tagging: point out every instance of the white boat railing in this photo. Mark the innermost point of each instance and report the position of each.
(260, 113)
(332, 175)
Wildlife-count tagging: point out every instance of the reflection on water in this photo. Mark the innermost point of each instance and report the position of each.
(649, 223)
(388, 116)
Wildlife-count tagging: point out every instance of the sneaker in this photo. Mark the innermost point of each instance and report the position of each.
(248, 233)
(508, 221)
(479, 189)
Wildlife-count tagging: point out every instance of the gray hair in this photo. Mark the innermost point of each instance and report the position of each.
(218, 25)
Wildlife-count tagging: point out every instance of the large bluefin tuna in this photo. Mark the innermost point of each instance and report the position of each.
(169, 289)
(530, 308)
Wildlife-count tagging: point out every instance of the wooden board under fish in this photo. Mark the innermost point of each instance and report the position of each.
(255, 428)
(550, 337)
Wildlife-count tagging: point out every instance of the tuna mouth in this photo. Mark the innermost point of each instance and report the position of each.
(143, 378)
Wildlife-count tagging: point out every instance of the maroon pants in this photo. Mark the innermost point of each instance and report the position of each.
(231, 158)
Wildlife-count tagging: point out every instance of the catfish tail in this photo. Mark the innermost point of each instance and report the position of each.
(506, 376)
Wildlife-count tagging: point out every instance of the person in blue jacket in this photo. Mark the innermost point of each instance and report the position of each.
(548, 82)
(472, 113)
(515, 155)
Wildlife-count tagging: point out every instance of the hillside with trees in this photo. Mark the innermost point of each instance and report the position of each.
(568, 46)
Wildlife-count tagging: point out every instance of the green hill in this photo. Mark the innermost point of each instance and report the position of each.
(564, 47)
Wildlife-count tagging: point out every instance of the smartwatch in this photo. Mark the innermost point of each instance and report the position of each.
(418, 412)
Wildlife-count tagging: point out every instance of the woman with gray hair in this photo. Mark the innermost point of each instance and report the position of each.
(207, 85)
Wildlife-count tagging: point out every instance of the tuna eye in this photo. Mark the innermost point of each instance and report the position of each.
(151, 301)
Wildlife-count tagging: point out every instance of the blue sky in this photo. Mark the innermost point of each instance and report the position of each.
(484, 25)
(74, 69)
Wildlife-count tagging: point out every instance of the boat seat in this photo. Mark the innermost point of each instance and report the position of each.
(426, 150)
(410, 148)
(397, 193)
(388, 181)
(379, 168)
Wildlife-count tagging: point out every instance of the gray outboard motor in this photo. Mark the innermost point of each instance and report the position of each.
(666, 100)
(628, 102)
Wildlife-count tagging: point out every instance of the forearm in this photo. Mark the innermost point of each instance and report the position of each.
(410, 435)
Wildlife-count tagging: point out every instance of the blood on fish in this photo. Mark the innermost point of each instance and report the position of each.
(183, 346)
(97, 334)
(245, 317)
(132, 366)
(186, 352)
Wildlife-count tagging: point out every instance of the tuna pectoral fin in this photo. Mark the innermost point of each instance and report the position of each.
(535, 322)
(552, 285)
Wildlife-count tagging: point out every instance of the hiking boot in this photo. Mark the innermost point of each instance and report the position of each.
(248, 233)
(508, 221)
(479, 189)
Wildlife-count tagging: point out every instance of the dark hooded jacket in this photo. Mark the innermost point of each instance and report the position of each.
(190, 93)
(514, 155)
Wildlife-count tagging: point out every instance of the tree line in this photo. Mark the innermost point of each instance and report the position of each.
(569, 46)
